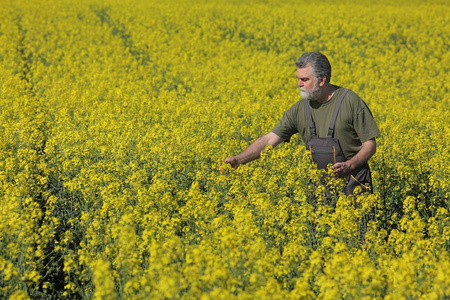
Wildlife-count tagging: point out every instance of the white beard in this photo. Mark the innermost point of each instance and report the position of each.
(313, 94)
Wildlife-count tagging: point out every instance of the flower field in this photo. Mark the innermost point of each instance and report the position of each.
(115, 116)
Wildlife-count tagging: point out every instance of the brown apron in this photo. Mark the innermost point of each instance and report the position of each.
(327, 150)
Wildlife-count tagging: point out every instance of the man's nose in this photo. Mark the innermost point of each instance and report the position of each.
(300, 83)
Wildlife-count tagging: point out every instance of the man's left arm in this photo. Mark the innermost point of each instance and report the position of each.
(368, 149)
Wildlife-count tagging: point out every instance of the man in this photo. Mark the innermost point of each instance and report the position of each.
(355, 128)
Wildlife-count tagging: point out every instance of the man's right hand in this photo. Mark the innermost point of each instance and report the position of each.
(232, 161)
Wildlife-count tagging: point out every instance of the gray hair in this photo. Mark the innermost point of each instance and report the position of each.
(319, 63)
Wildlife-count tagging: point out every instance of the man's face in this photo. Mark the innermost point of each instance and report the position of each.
(309, 89)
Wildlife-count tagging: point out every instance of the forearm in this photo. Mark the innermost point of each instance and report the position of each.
(253, 151)
(368, 149)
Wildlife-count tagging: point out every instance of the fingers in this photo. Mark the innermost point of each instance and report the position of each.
(340, 169)
(336, 167)
(227, 163)
(225, 166)
(221, 168)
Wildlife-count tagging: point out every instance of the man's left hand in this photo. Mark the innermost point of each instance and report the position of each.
(342, 169)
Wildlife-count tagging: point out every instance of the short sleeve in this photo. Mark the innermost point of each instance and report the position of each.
(287, 125)
(364, 124)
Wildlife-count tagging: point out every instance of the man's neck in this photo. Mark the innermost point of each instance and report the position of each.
(327, 93)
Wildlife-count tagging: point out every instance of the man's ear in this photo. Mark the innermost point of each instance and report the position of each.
(322, 81)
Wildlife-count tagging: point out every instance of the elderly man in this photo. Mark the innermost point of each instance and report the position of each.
(335, 124)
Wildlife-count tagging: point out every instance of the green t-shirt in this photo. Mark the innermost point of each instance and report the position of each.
(354, 123)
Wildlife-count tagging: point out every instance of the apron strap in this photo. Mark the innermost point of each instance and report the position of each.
(312, 126)
(333, 120)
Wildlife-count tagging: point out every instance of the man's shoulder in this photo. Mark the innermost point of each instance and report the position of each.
(355, 104)
(349, 95)
(295, 112)
(351, 98)
(300, 104)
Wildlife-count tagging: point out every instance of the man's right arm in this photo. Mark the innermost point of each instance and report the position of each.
(253, 151)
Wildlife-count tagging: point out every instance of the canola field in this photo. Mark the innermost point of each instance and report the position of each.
(115, 116)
